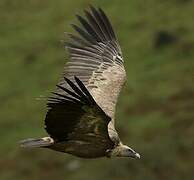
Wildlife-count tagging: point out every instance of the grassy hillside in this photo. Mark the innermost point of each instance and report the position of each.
(155, 113)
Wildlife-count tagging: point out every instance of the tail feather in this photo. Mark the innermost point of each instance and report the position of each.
(35, 143)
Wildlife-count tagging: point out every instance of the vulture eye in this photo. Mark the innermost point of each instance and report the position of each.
(130, 150)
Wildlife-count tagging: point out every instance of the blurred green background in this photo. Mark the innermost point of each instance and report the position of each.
(155, 112)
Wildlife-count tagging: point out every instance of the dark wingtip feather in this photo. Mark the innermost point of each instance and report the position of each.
(69, 92)
(108, 24)
(83, 33)
(88, 27)
(96, 27)
(66, 98)
(92, 8)
(84, 89)
(79, 92)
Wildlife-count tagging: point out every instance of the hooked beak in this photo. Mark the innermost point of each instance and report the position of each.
(136, 156)
(133, 154)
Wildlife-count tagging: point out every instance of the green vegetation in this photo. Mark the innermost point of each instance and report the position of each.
(155, 113)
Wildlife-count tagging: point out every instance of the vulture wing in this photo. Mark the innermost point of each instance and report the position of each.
(95, 57)
(76, 116)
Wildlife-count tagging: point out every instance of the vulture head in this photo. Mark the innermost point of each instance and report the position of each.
(123, 151)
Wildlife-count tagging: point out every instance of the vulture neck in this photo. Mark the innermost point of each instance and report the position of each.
(117, 151)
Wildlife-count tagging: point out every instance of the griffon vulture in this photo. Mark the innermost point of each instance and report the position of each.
(80, 117)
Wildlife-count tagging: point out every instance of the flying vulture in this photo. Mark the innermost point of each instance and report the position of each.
(81, 111)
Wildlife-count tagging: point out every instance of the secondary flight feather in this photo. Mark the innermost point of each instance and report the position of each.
(80, 117)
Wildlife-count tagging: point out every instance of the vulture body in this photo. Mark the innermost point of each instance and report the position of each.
(80, 117)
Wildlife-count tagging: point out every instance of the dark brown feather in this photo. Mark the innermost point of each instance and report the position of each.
(73, 117)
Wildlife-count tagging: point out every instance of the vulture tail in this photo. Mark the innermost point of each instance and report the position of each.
(36, 143)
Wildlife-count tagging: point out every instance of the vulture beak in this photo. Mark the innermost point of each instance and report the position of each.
(137, 156)
(133, 154)
(123, 151)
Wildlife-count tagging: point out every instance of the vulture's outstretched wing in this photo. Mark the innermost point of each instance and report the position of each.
(95, 57)
(76, 116)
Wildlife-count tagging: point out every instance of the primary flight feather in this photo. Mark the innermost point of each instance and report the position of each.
(80, 117)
